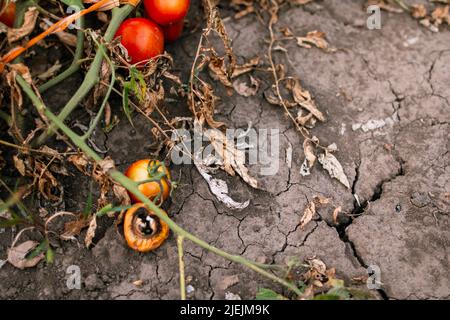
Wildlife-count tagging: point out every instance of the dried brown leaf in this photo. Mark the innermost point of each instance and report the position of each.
(334, 168)
(28, 26)
(17, 255)
(315, 38)
(247, 89)
(303, 98)
(74, 228)
(418, 11)
(336, 214)
(90, 234)
(308, 214)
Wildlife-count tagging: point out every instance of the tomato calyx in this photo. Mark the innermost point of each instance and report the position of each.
(155, 174)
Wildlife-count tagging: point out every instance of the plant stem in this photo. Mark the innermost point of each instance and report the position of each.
(132, 187)
(75, 66)
(108, 93)
(181, 267)
(92, 76)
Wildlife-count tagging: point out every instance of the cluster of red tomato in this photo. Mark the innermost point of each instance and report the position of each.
(144, 37)
(8, 14)
(143, 230)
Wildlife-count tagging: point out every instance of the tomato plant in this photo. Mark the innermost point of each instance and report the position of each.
(142, 38)
(146, 169)
(143, 230)
(173, 31)
(8, 14)
(166, 12)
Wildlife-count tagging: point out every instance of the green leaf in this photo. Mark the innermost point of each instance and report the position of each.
(267, 294)
(88, 207)
(50, 256)
(41, 247)
(125, 101)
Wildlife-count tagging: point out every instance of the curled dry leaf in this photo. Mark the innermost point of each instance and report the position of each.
(80, 161)
(20, 165)
(308, 214)
(233, 159)
(308, 149)
(321, 201)
(17, 255)
(28, 26)
(218, 187)
(336, 214)
(334, 168)
(304, 99)
(74, 228)
(316, 38)
(418, 11)
(245, 89)
(16, 92)
(241, 69)
(90, 234)
(50, 72)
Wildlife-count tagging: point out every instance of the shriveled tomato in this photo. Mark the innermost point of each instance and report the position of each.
(142, 38)
(173, 31)
(8, 14)
(143, 230)
(165, 12)
(141, 170)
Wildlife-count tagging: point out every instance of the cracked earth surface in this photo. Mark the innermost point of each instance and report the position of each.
(400, 173)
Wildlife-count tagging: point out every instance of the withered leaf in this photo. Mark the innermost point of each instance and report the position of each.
(336, 214)
(74, 228)
(17, 255)
(50, 72)
(334, 168)
(20, 165)
(90, 234)
(245, 89)
(303, 98)
(28, 26)
(308, 214)
(418, 11)
(233, 158)
(316, 38)
(80, 161)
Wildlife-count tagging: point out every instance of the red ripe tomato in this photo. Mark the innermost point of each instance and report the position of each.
(173, 31)
(165, 12)
(8, 14)
(142, 38)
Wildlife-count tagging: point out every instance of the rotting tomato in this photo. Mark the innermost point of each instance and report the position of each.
(173, 31)
(143, 230)
(165, 12)
(142, 38)
(143, 170)
(8, 14)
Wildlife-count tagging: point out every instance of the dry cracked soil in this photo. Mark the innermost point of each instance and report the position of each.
(396, 79)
